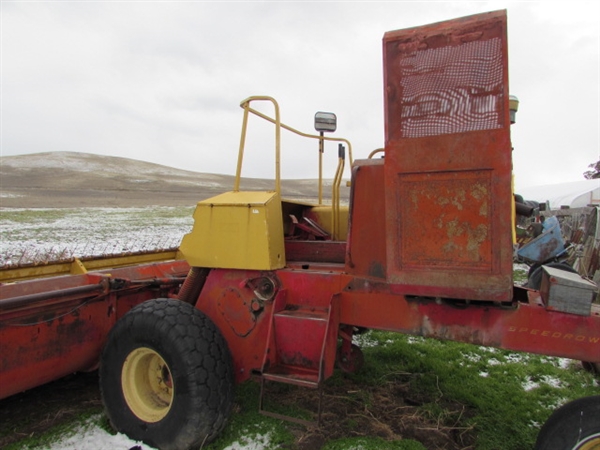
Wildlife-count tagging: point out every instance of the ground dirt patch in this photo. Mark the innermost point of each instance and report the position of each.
(36, 411)
(349, 409)
(389, 411)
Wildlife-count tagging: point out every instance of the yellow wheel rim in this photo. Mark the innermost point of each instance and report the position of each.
(147, 384)
(591, 443)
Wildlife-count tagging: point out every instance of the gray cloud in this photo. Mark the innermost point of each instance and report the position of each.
(162, 81)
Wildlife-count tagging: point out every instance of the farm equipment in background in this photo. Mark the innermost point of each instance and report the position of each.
(565, 239)
(547, 249)
(273, 289)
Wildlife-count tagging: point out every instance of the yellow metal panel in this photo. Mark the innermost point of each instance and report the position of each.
(324, 215)
(133, 259)
(84, 265)
(77, 267)
(237, 230)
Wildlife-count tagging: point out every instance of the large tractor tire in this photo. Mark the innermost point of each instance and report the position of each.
(574, 426)
(166, 376)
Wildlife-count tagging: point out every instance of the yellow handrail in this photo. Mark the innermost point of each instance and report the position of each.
(286, 127)
(374, 152)
(245, 104)
(335, 196)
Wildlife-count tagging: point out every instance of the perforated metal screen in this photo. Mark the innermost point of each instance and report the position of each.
(451, 89)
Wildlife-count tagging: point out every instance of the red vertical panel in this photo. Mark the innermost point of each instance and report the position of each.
(366, 255)
(448, 158)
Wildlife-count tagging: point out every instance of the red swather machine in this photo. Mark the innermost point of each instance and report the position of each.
(276, 288)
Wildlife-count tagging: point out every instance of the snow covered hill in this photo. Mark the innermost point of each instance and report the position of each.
(69, 179)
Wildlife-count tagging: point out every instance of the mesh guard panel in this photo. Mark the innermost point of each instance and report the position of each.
(448, 159)
(451, 89)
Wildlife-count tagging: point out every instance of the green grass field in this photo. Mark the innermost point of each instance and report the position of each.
(498, 399)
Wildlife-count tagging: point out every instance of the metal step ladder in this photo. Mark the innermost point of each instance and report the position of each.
(301, 347)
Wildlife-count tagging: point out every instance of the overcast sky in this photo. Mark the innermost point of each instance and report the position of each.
(162, 81)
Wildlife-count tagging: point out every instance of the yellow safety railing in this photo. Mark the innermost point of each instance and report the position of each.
(374, 152)
(245, 105)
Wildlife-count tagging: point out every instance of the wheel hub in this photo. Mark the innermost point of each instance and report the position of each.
(147, 384)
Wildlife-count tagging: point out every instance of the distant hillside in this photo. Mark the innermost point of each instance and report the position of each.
(69, 179)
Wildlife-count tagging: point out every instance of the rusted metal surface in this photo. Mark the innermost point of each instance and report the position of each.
(229, 313)
(448, 158)
(286, 340)
(295, 327)
(194, 282)
(315, 251)
(27, 295)
(52, 327)
(366, 250)
(73, 266)
(520, 325)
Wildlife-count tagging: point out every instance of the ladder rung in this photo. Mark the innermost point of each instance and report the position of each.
(289, 418)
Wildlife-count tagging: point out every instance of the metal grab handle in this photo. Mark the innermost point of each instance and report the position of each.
(245, 104)
(374, 152)
(335, 200)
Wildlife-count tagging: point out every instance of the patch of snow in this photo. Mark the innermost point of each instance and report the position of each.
(258, 442)
(91, 437)
(515, 358)
(487, 349)
(364, 340)
(85, 162)
(484, 374)
(564, 363)
(202, 183)
(521, 267)
(551, 381)
(556, 404)
(529, 385)
(471, 357)
(493, 362)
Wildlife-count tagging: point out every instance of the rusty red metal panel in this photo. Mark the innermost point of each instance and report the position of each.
(315, 251)
(457, 238)
(53, 327)
(289, 327)
(366, 253)
(448, 158)
(299, 335)
(526, 326)
(227, 299)
(49, 340)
